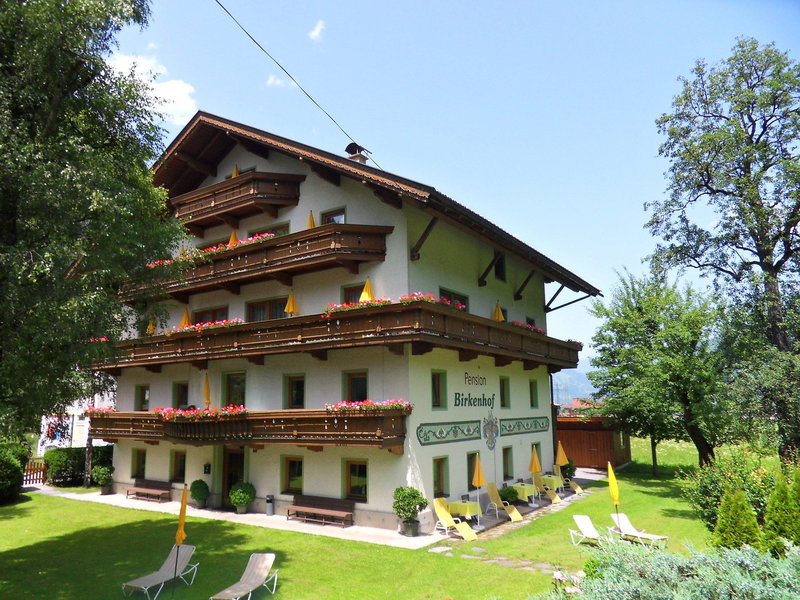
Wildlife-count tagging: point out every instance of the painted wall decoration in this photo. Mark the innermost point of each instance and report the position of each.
(453, 431)
(491, 430)
(524, 425)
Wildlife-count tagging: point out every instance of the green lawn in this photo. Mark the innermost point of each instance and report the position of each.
(56, 548)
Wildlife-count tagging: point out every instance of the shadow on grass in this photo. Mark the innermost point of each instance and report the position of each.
(93, 563)
(16, 508)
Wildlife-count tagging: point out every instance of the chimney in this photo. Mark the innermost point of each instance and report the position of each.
(358, 157)
(356, 153)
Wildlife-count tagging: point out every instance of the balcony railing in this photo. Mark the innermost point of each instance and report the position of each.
(230, 200)
(309, 427)
(325, 247)
(424, 325)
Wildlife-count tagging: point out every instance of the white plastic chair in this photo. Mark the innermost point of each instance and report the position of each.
(175, 566)
(257, 573)
(586, 531)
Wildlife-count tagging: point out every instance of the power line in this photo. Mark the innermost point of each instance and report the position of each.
(289, 75)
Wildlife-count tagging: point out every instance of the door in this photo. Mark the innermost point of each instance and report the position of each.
(232, 472)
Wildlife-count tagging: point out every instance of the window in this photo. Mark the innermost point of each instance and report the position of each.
(500, 268)
(178, 467)
(508, 463)
(471, 457)
(356, 386)
(180, 394)
(209, 315)
(292, 475)
(454, 297)
(438, 390)
(352, 293)
(356, 480)
(505, 393)
(141, 397)
(234, 388)
(534, 391)
(267, 309)
(333, 216)
(440, 477)
(295, 391)
(139, 458)
(276, 230)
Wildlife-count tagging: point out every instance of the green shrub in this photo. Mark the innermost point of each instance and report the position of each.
(568, 470)
(11, 476)
(736, 524)
(780, 520)
(242, 493)
(102, 476)
(794, 492)
(20, 449)
(198, 490)
(509, 494)
(408, 501)
(704, 487)
(65, 466)
(630, 571)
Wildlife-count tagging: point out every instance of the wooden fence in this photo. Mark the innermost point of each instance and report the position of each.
(35, 472)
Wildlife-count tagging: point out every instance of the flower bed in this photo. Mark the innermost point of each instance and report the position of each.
(420, 297)
(98, 411)
(198, 327)
(199, 256)
(369, 405)
(196, 414)
(332, 308)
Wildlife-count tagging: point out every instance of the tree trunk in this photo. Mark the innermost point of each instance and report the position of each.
(87, 465)
(705, 451)
(654, 455)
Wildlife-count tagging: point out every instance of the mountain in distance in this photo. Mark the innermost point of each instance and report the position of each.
(569, 384)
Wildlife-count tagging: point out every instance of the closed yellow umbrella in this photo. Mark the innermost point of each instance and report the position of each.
(366, 293)
(561, 456)
(234, 239)
(186, 320)
(613, 487)
(478, 478)
(535, 466)
(497, 314)
(311, 223)
(151, 327)
(180, 535)
(206, 391)
(291, 305)
(235, 172)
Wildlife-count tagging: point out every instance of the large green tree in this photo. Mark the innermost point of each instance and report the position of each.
(656, 363)
(78, 212)
(733, 209)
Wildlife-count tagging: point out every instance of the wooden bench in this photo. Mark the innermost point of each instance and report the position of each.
(146, 489)
(322, 510)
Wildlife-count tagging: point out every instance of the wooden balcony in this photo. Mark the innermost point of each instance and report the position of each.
(312, 428)
(233, 199)
(422, 325)
(325, 247)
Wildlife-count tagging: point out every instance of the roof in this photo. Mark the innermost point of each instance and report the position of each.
(207, 138)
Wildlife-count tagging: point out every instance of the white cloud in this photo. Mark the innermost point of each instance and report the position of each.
(316, 33)
(152, 46)
(275, 81)
(175, 95)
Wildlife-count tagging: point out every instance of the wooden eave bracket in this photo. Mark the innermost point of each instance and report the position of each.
(153, 368)
(319, 354)
(204, 167)
(249, 145)
(467, 355)
(325, 173)
(518, 293)
(229, 220)
(233, 288)
(502, 361)
(394, 199)
(200, 365)
(482, 279)
(547, 308)
(418, 348)
(258, 359)
(414, 252)
(195, 230)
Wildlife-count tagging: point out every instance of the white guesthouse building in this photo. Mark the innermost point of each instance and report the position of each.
(479, 385)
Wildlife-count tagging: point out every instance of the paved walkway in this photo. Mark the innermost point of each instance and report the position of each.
(372, 535)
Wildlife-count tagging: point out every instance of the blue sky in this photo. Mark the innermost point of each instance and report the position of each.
(538, 116)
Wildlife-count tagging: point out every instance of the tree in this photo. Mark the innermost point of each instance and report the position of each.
(78, 212)
(780, 520)
(732, 139)
(736, 522)
(656, 363)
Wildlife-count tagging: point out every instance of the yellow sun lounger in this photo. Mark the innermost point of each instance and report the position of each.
(498, 502)
(571, 483)
(551, 493)
(447, 521)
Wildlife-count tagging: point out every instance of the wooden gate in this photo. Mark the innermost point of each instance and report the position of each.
(35, 472)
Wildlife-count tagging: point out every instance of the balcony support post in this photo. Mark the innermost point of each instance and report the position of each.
(518, 293)
(482, 279)
(414, 252)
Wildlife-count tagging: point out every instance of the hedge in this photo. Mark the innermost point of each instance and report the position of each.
(11, 476)
(65, 466)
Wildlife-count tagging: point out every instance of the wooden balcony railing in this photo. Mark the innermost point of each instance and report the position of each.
(377, 429)
(424, 325)
(230, 200)
(325, 247)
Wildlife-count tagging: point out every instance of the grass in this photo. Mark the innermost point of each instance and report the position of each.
(63, 549)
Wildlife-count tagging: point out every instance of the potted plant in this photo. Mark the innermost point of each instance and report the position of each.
(242, 494)
(509, 494)
(408, 501)
(199, 492)
(102, 476)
